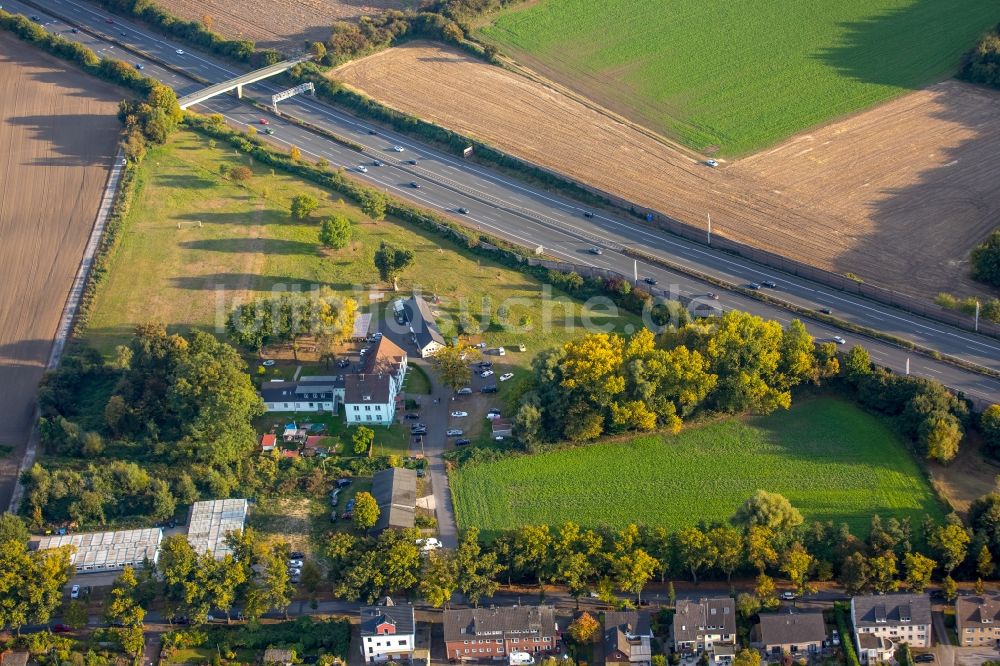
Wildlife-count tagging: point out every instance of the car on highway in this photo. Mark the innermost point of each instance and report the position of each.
(35, 18)
(770, 284)
(463, 442)
(411, 162)
(414, 184)
(362, 168)
(123, 34)
(459, 415)
(753, 285)
(268, 131)
(463, 211)
(492, 388)
(179, 51)
(74, 592)
(650, 280)
(264, 121)
(455, 432)
(485, 373)
(711, 163)
(138, 66)
(714, 296)
(839, 340)
(377, 163)
(398, 149)
(74, 30)
(588, 214)
(596, 250)
(372, 132)
(109, 21)
(507, 375)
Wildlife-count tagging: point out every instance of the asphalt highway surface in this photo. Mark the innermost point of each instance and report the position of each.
(522, 213)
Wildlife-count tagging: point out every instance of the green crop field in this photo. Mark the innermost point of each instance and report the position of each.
(832, 460)
(742, 74)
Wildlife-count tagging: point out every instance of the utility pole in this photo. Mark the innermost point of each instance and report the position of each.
(907, 365)
(635, 271)
(709, 228)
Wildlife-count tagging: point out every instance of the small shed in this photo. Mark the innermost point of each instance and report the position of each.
(278, 657)
(267, 442)
(502, 428)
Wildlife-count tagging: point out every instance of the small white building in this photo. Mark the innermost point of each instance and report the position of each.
(423, 327)
(371, 397)
(308, 394)
(387, 632)
(211, 520)
(108, 551)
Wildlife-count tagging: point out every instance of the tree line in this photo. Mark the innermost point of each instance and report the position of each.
(606, 384)
(324, 315)
(982, 63)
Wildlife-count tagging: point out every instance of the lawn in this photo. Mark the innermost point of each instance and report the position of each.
(239, 241)
(831, 459)
(742, 74)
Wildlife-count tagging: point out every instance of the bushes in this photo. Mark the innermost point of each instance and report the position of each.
(986, 257)
(982, 63)
(850, 655)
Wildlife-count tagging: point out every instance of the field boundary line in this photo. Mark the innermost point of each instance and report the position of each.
(70, 309)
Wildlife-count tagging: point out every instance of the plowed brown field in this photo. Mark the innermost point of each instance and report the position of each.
(278, 23)
(897, 195)
(57, 134)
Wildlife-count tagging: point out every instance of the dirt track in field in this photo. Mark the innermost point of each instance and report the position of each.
(279, 23)
(897, 195)
(58, 129)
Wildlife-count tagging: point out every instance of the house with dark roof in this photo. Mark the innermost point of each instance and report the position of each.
(792, 633)
(372, 396)
(395, 492)
(308, 394)
(477, 634)
(387, 632)
(627, 637)
(706, 625)
(423, 327)
(882, 622)
(977, 620)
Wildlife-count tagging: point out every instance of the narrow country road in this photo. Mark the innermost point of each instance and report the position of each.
(435, 415)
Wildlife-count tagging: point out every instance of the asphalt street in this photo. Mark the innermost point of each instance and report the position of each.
(523, 213)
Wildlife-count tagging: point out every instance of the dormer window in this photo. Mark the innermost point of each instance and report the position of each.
(366, 397)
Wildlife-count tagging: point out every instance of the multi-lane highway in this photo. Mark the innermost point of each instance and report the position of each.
(517, 211)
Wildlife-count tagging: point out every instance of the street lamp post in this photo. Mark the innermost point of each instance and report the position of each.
(977, 315)
(709, 228)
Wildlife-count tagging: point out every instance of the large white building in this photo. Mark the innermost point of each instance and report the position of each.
(308, 394)
(108, 551)
(882, 622)
(211, 520)
(371, 396)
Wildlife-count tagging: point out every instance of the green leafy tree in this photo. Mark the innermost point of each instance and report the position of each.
(951, 541)
(399, 556)
(391, 261)
(477, 571)
(747, 657)
(12, 528)
(363, 439)
(942, 437)
(747, 605)
(744, 352)
(984, 562)
(728, 548)
(919, 569)
(374, 205)
(766, 591)
(798, 355)
(335, 232)
(122, 606)
(451, 364)
(302, 206)
(949, 588)
(770, 510)
(275, 590)
(366, 511)
(857, 363)
(584, 629)
(855, 573)
(694, 550)
(796, 563)
(75, 615)
(439, 578)
(986, 260)
(760, 547)
(883, 572)
(633, 570)
(532, 551)
(989, 424)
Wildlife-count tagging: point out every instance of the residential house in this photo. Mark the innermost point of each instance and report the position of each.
(627, 637)
(977, 620)
(789, 633)
(476, 634)
(707, 625)
(395, 492)
(268, 442)
(882, 622)
(387, 632)
(372, 396)
(278, 657)
(423, 327)
(308, 394)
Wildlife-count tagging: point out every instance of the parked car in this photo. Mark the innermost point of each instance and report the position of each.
(61, 629)
(350, 504)
(464, 391)
(711, 163)
(463, 442)
(268, 363)
(429, 544)
(74, 592)
(343, 483)
(459, 415)
(420, 473)
(455, 432)
(926, 658)
(507, 375)
(347, 515)
(294, 571)
(789, 596)
(297, 554)
(411, 416)
(492, 388)
(296, 564)
(485, 364)
(419, 431)
(501, 351)
(343, 363)
(418, 426)
(485, 373)
(493, 412)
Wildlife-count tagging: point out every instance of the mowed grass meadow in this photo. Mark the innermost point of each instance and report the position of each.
(832, 460)
(742, 74)
(240, 242)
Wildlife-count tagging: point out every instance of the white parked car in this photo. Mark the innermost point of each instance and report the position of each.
(507, 375)
(295, 563)
(459, 415)
(712, 163)
(455, 432)
(789, 596)
(428, 544)
(501, 351)
(485, 373)
(74, 592)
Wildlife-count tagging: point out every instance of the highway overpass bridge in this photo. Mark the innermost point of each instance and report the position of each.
(238, 82)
